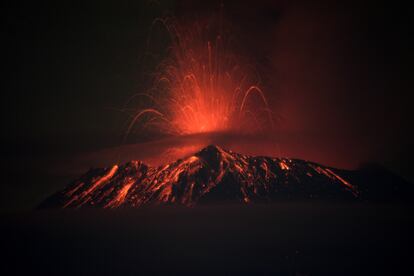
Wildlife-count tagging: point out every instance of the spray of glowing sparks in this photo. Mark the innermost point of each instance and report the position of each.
(203, 87)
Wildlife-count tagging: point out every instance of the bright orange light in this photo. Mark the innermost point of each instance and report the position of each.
(203, 87)
(120, 197)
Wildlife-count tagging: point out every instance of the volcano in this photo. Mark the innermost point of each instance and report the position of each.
(216, 175)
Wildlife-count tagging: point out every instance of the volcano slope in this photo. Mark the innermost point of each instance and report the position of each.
(215, 175)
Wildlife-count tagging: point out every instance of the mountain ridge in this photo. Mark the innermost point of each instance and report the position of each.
(212, 175)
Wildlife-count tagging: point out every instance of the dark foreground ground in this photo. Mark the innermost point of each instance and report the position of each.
(278, 239)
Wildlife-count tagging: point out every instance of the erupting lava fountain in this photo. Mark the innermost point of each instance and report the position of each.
(203, 87)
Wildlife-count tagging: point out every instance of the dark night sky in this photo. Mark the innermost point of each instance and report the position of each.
(339, 75)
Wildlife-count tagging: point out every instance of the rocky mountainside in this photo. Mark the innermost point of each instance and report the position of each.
(216, 175)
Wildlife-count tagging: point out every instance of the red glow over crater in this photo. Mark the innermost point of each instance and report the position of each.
(203, 87)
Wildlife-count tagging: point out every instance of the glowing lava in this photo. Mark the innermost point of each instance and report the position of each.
(204, 86)
(210, 175)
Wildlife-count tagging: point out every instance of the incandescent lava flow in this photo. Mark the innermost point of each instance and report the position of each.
(215, 175)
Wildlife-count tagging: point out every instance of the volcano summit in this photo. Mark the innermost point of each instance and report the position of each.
(216, 175)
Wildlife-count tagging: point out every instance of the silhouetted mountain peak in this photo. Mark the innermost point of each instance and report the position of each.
(214, 174)
(211, 149)
(213, 155)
